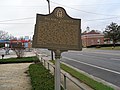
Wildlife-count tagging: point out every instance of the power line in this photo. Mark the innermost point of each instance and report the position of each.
(83, 10)
(17, 19)
(102, 19)
(96, 4)
(57, 4)
(23, 6)
(34, 17)
(16, 23)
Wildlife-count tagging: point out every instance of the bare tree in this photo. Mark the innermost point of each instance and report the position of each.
(19, 52)
(18, 48)
(5, 36)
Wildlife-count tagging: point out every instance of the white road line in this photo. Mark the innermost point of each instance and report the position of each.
(92, 65)
(117, 59)
(117, 54)
(79, 54)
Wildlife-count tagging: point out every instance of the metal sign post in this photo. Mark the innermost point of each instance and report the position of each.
(57, 69)
(57, 32)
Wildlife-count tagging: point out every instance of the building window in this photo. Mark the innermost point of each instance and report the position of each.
(98, 41)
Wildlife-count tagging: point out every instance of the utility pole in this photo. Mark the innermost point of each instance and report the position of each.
(49, 13)
(57, 62)
(48, 5)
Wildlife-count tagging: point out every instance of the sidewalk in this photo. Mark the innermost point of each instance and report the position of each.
(14, 76)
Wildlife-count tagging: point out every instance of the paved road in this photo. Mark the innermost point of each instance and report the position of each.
(103, 64)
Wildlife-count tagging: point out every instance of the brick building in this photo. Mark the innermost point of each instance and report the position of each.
(92, 38)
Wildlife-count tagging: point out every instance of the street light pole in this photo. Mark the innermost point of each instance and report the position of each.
(49, 13)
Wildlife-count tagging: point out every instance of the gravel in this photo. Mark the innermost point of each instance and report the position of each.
(14, 77)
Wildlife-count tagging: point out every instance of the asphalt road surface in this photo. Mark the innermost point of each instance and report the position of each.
(104, 64)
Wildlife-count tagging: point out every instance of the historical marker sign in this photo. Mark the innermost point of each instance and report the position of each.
(57, 31)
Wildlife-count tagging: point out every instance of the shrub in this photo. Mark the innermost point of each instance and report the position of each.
(41, 79)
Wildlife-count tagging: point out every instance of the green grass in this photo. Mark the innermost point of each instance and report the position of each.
(87, 80)
(41, 79)
(19, 60)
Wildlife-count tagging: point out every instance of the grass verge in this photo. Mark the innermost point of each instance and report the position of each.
(87, 80)
(41, 79)
(19, 60)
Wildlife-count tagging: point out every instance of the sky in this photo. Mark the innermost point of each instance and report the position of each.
(18, 17)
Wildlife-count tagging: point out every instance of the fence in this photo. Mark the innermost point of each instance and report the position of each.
(66, 81)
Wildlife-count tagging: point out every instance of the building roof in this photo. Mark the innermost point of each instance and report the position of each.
(91, 32)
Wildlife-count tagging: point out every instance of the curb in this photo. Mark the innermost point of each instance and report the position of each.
(95, 78)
